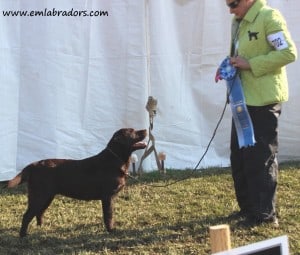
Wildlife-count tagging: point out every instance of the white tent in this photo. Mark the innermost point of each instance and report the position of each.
(68, 81)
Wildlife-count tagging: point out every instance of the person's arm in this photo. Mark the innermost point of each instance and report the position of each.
(284, 51)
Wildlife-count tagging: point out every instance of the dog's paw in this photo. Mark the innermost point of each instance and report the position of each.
(112, 230)
(22, 234)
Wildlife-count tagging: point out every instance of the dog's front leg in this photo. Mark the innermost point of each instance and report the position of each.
(107, 208)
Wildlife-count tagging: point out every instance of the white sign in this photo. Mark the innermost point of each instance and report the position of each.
(274, 246)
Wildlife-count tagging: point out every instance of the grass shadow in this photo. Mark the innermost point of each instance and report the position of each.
(72, 240)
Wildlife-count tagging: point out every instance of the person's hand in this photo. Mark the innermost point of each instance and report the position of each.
(240, 62)
(218, 76)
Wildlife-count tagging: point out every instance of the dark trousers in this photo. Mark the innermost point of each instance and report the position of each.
(255, 168)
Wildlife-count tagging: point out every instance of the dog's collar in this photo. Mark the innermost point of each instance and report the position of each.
(115, 154)
(124, 168)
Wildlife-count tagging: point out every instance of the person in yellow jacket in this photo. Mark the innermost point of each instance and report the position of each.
(261, 47)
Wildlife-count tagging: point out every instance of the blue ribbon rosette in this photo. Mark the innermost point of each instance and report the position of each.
(241, 117)
(227, 71)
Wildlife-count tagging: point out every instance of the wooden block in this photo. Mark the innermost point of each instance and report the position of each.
(220, 238)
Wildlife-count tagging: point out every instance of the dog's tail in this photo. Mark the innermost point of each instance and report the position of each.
(15, 181)
(20, 178)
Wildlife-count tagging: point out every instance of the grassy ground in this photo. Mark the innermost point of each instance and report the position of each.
(150, 220)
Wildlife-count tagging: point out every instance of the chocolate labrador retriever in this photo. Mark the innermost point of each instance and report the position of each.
(99, 177)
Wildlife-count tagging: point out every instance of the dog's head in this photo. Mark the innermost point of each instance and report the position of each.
(127, 140)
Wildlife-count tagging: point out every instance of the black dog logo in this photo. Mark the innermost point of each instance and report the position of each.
(252, 35)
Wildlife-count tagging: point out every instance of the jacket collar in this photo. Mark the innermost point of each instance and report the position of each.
(254, 10)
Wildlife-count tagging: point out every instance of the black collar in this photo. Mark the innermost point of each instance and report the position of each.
(116, 155)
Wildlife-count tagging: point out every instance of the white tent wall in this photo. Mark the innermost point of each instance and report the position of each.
(67, 83)
(182, 59)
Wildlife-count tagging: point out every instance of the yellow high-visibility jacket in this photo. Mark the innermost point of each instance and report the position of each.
(264, 40)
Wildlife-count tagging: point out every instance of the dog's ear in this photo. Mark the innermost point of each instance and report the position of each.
(118, 137)
(123, 137)
(122, 133)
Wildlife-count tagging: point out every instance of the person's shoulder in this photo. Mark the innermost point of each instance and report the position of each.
(271, 13)
(273, 18)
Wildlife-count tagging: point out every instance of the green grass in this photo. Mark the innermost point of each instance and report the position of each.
(149, 219)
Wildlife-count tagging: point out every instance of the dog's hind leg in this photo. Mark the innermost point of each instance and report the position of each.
(39, 215)
(107, 208)
(36, 207)
(27, 218)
